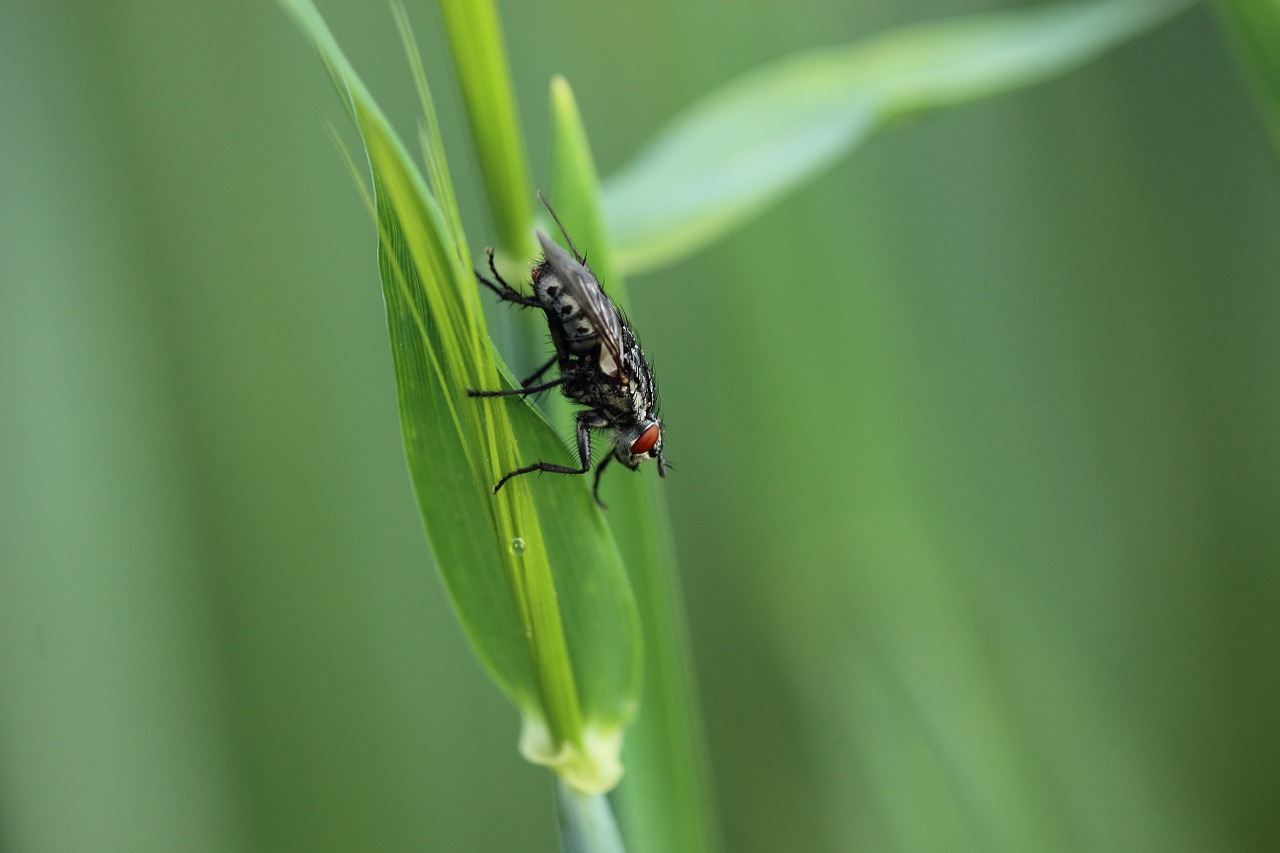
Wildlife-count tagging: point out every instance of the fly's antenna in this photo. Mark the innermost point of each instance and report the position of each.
(581, 258)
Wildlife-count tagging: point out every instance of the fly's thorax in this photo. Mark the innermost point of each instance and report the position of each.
(590, 386)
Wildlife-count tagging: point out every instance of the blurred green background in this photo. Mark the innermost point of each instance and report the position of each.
(979, 466)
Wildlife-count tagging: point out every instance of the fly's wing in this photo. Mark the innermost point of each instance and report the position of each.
(599, 310)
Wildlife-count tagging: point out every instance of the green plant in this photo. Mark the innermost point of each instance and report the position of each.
(542, 583)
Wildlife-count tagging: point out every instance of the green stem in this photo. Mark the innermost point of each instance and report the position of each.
(479, 53)
(586, 822)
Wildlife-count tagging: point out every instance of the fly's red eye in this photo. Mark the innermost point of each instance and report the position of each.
(646, 441)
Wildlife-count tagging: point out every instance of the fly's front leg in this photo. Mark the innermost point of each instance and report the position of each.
(505, 292)
(587, 421)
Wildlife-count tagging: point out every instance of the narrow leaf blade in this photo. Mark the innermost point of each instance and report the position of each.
(665, 801)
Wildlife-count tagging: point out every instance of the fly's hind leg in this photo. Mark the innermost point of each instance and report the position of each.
(505, 292)
(587, 421)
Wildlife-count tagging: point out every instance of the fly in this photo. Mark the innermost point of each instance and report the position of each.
(599, 359)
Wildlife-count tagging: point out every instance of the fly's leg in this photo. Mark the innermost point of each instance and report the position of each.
(541, 370)
(518, 392)
(595, 488)
(505, 292)
(525, 387)
(586, 422)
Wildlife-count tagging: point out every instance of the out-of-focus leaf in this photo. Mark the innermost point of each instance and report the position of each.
(563, 643)
(738, 149)
(1255, 25)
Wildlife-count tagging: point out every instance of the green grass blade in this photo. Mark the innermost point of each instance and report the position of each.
(738, 149)
(563, 643)
(575, 188)
(1255, 28)
(431, 140)
(475, 38)
(665, 801)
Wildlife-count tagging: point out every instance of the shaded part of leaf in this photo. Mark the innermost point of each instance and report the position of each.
(738, 149)
(434, 449)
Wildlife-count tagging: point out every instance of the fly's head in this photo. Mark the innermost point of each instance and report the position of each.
(640, 442)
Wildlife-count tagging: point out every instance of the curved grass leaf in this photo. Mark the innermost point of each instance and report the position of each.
(738, 149)
(665, 803)
(533, 572)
